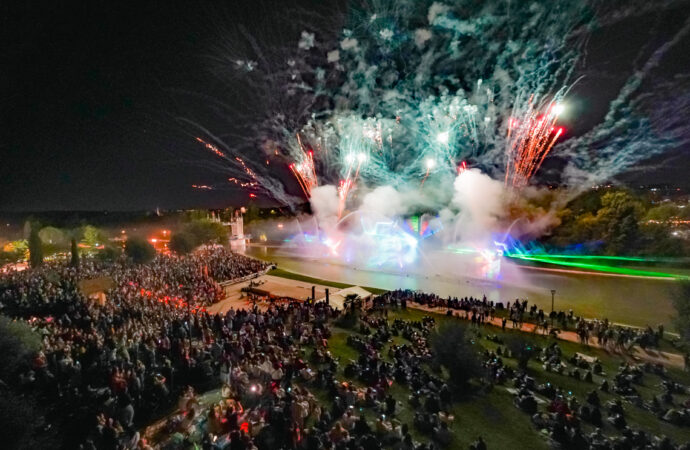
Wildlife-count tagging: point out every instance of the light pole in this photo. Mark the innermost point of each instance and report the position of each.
(553, 294)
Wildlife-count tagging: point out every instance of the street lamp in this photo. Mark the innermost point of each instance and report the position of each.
(553, 294)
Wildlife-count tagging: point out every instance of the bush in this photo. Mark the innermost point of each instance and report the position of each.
(139, 250)
(452, 349)
(182, 243)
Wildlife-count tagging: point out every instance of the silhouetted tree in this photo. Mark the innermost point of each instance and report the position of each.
(206, 232)
(452, 349)
(182, 243)
(35, 246)
(109, 253)
(74, 262)
(521, 349)
(139, 250)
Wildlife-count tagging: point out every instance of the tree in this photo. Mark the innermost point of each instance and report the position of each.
(618, 220)
(139, 250)
(93, 237)
(15, 251)
(681, 301)
(109, 253)
(35, 247)
(608, 221)
(520, 349)
(207, 232)
(663, 212)
(252, 213)
(75, 253)
(182, 243)
(53, 238)
(657, 240)
(452, 349)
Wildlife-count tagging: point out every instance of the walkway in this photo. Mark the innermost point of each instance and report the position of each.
(653, 356)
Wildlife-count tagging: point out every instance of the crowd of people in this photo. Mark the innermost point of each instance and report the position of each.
(563, 417)
(481, 310)
(108, 369)
(112, 362)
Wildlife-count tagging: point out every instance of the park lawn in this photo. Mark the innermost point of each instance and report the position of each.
(486, 413)
(298, 277)
(480, 415)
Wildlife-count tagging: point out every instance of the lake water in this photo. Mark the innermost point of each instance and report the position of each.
(635, 301)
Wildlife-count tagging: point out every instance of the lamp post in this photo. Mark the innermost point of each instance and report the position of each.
(553, 295)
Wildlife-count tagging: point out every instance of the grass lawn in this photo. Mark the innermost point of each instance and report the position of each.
(480, 415)
(493, 415)
(295, 276)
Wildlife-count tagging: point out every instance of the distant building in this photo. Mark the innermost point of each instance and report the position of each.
(234, 223)
(237, 226)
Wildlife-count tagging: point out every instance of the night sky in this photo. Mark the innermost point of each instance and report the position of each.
(91, 94)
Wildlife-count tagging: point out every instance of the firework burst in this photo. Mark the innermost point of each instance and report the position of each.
(407, 83)
(530, 138)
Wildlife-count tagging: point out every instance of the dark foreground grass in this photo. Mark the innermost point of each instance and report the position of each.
(493, 416)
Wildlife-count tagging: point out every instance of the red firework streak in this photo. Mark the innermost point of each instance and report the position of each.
(530, 140)
(348, 183)
(211, 147)
(305, 171)
(250, 173)
(462, 167)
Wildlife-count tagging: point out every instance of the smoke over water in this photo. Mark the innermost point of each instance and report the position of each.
(419, 128)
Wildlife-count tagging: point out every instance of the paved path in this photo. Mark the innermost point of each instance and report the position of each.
(278, 286)
(649, 355)
(300, 290)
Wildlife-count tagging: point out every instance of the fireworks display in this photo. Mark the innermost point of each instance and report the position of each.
(437, 102)
(530, 139)
(304, 170)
